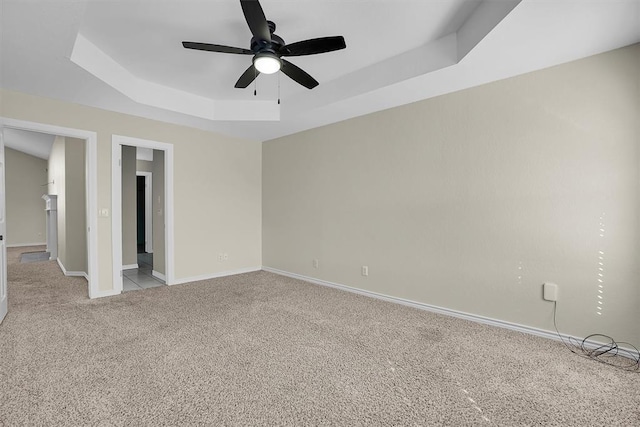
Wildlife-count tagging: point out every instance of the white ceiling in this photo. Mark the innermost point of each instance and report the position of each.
(398, 51)
(146, 40)
(39, 144)
(33, 143)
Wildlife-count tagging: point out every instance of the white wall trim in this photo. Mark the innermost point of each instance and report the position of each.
(91, 188)
(216, 275)
(24, 245)
(64, 270)
(71, 273)
(159, 275)
(448, 312)
(130, 266)
(116, 211)
(108, 293)
(116, 204)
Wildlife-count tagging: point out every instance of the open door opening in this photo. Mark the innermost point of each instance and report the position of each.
(142, 214)
(79, 150)
(144, 211)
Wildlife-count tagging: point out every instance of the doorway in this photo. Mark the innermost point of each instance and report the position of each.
(140, 214)
(90, 189)
(137, 170)
(144, 192)
(142, 221)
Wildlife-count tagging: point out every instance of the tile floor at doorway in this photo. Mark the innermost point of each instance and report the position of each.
(139, 278)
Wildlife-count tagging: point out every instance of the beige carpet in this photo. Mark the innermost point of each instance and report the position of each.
(260, 349)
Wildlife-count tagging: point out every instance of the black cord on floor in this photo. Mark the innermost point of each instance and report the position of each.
(603, 351)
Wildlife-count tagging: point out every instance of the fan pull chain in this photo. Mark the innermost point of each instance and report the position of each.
(255, 83)
(279, 88)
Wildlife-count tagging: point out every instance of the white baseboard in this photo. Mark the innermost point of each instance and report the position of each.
(72, 273)
(158, 275)
(130, 266)
(24, 245)
(216, 275)
(102, 294)
(64, 270)
(448, 312)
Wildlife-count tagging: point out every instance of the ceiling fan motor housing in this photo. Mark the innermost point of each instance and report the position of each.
(260, 45)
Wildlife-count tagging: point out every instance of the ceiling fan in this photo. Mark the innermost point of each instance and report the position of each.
(268, 49)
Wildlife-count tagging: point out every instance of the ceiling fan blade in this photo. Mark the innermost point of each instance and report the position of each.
(216, 48)
(256, 20)
(298, 74)
(247, 77)
(313, 46)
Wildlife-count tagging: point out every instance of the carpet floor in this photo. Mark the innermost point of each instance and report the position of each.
(261, 349)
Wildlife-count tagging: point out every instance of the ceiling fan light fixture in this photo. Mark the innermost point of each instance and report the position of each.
(267, 63)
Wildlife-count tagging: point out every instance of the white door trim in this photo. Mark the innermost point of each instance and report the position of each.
(148, 220)
(4, 298)
(91, 188)
(116, 204)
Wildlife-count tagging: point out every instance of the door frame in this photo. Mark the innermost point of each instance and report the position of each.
(91, 188)
(4, 294)
(148, 220)
(117, 141)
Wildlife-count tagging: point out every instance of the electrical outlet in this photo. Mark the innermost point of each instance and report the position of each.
(316, 263)
(365, 270)
(225, 256)
(220, 257)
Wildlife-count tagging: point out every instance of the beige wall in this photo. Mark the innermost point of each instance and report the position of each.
(158, 212)
(217, 184)
(144, 166)
(76, 228)
(66, 169)
(25, 183)
(472, 200)
(129, 207)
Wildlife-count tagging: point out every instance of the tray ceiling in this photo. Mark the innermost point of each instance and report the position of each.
(127, 56)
